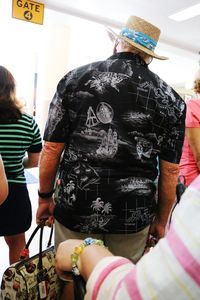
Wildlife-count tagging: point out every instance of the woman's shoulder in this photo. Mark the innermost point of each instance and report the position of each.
(27, 117)
(193, 101)
(26, 120)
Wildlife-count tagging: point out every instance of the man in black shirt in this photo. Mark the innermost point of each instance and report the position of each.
(120, 130)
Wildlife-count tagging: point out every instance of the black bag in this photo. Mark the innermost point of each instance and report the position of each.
(79, 287)
(32, 278)
(180, 189)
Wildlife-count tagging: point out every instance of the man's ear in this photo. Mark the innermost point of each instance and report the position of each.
(113, 38)
(111, 34)
(115, 48)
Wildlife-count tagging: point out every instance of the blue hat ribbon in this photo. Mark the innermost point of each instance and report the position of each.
(139, 38)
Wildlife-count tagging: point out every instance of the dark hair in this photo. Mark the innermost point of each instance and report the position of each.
(9, 106)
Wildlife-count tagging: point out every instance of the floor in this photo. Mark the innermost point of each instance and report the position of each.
(32, 180)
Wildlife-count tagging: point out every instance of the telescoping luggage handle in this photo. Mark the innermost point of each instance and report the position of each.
(25, 252)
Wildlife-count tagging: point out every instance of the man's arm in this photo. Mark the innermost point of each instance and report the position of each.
(48, 166)
(166, 196)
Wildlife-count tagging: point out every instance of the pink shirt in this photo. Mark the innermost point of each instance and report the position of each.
(188, 166)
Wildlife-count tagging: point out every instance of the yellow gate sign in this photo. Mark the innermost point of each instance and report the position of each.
(30, 11)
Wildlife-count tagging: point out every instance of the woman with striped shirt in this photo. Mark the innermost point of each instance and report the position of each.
(169, 271)
(20, 146)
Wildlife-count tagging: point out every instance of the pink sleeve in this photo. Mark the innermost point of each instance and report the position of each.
(193, 113)
(170, 271)
(108, 277)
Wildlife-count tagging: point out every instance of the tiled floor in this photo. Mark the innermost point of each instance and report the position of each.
(34, 247)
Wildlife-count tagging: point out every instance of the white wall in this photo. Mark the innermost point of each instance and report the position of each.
(52, 65)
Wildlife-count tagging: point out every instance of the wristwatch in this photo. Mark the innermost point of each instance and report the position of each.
(45, 195)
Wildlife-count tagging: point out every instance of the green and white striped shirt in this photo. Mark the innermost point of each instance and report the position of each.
(15, 140)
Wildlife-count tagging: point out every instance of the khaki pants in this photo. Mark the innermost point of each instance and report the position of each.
(128, 245)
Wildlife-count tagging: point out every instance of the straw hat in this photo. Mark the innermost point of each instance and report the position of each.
(140, 34)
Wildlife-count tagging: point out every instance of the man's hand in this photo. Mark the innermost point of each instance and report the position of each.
(45, 210)
(157, 229)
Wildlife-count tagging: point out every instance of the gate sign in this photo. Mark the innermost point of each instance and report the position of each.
(30, 11)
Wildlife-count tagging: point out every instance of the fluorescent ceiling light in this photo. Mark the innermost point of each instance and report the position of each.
(187, 13)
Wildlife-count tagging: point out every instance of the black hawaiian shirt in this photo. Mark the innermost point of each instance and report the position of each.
(117, 120)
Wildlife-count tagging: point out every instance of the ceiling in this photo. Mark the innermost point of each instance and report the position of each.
(184, 35)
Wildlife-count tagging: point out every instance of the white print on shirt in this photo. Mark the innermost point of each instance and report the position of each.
(69, 189)
(99, 219)
(101, 80)
(104, 113)
(108, 139)
(57, 113)
(164, 92)
(83, 175)
(135, 185)
(137, 119)
(109, 144)
(143, 147)
(91, 118)
(140, 214)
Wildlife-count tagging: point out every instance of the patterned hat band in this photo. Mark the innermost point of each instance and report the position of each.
(139, 38)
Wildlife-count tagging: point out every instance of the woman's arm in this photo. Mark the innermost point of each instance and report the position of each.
(3, 183)
(31, 161)
(63, 257)
(193, 135)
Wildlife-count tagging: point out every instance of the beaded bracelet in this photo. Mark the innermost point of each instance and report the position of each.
(78, 250)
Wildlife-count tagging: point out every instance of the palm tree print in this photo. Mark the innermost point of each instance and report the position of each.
(107, 208)
(97, 204)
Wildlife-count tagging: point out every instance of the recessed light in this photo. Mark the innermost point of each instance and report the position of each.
(187, 13)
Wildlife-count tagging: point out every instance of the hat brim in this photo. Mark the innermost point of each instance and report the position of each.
(113, 36)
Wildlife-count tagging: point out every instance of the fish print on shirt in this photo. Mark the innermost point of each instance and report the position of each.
(135, 185)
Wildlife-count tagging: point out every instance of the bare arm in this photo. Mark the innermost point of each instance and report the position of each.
(49, 162)
(166, 196)
(48, 166)
(31, 160)
(63, 257)
(193, 135)
(3, 183)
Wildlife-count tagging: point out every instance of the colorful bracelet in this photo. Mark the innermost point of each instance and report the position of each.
(78, 250)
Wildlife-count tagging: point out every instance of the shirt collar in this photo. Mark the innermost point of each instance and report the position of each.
(129, 56)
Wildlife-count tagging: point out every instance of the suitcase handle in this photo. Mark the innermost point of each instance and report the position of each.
(25, 252)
